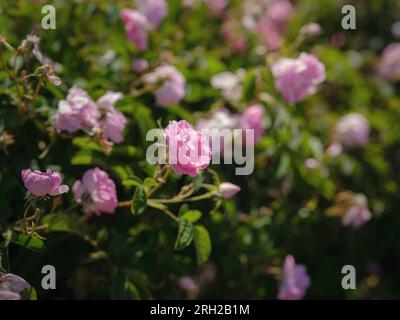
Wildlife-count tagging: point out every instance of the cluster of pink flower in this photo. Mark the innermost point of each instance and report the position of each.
(96, 191)
(80, 112)
(139, 22)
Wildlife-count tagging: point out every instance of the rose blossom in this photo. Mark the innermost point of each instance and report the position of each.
(252, 118)
(140, 65)
(352, 130)
(358, 213)
(187, 283)
(43, 183)
(11, 286)
(298, 78)
(295, 280)
(228, 190)
(172, 88)
(389, 64)
(77, 112)
(229, 83)
(189, 150)
(217, 7)
(136, 28)
(97, 192)
(272, 23)
(311, 29)
(154, 10)
(114, 121)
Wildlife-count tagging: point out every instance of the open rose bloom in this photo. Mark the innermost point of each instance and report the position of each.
(136, 28)
(169, 85)
(352, 130)
(43, 183)
(298, 78)
(97, 192)
(77, 112)
(358, 213)
(188, 150)
(295, 280)
(11, 286)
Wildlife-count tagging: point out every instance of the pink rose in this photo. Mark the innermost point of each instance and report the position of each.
(272, 23)
(97, 192)
(217, 7)
(11, 286)
(77, 112)
(228, 190)
(279, 13)
(43, 183)
(114, 121)
(298, 78)
(154, 10)
(172, 88)
(140, 65)
(352, 130)
(295, 280)
(389, 64)
(358, 213)
(189, 150)
(252, 118)
(311, 29)
(136, 28)
(268, 31)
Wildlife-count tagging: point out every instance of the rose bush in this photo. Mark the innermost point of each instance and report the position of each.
(76, 190)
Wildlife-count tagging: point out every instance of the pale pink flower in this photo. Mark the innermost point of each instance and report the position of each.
(389, 63)
(298, 78)
(228, 190)
(295, 280)
(272, 23)
(189, 150)
(233, 34)
(252, 118)
(114, 121)
(97, 192)
(279, 13)
(352, 130)
(311, 29)
(77, 112)
(358, 213)
(140, 65)
(334, 149)
(311, 163)
(154, 10)
(43, 183)
(136, 25)
(170, 85)
(11, 286)
(217, 7)
(187, 283)
(268, 31)
(229, 83)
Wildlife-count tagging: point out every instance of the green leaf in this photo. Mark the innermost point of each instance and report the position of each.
(82, 158)
(139, 201)
(32, 243)
(132, 182)
(150, 182)
(192, 215)
(202, 243)
(185, 234)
